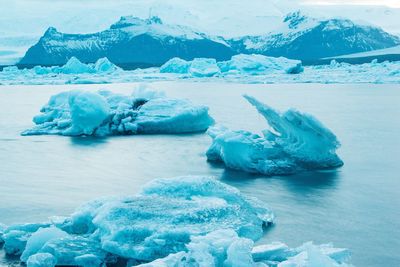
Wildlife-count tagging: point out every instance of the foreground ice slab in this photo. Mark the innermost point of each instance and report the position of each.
(104, 113)
(298, 142)
(162, 219)
(226, 248)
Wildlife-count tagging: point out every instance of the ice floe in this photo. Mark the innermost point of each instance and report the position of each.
(104, 113)
(240, 68)
(238, 64)
(297, 142)
(183, 221)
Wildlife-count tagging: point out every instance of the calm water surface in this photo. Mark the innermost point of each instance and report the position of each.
(356, 206)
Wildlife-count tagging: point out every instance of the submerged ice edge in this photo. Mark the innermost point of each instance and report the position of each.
(241, 68)
(297, 143)
(183, 221)
(104, 113)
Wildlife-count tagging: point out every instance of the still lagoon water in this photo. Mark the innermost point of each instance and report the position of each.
(356, 206)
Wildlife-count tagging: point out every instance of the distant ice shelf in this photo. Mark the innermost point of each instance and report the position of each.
(104, 113)
(183, 221)
(297, 142)
(240, 68)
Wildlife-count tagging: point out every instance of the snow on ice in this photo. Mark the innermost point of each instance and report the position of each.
(104, 113)
(183, 221)
(297, 142)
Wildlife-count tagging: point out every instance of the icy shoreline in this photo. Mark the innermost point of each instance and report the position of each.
(251, 69)
(188, 221)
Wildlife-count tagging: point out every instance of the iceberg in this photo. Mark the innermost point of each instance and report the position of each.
(175, 65)
(104, 113)
(168, 216)
(74, 66)
(239, 64)
(203, 67)
(258, 64)
(297, 142)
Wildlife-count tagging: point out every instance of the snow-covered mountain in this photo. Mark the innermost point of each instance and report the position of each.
(133, 42)
(304, 37)
(130, 41)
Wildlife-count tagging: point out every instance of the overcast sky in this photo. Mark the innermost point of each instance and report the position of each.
(390, 3)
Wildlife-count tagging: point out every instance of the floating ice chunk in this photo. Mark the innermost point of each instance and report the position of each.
(203, 67)
(275, 251)
(259, 64)
(10, 69)
(105, 113)
(37, 240)
(184, 221)
(310, 255)
(198, 67)
(74, 66)
(16, 236)
(172, 116)
(105, 65)
(175, 65)
(165, 216)
(299, 142)
(41, 260)
(226, 248)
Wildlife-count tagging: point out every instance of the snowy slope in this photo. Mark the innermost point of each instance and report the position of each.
(304, 37)
(129, 41)
(380, 52)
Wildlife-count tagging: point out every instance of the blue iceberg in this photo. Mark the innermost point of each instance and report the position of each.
(74, 66)
(183, 221)
(104, 113)
(239, 64)
(298, 142)
(161, 220)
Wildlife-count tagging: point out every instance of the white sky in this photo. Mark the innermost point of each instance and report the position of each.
(390, 3)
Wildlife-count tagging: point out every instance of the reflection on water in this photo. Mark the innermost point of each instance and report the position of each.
(355, 206)
(313, 180)
(87, 140)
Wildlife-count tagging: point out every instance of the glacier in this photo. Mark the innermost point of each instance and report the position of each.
(104, 113)
(296, 142)
(182, 221)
